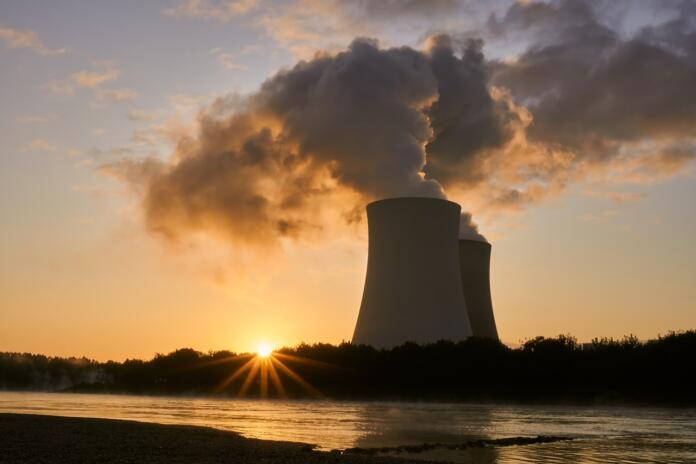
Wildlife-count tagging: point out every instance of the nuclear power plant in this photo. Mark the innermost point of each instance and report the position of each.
(422, 284)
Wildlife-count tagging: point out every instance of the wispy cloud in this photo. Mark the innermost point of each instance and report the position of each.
(110, 153)
(93, 79)
(616, 197)
(222, 11)
(307, 26)
(182, 103)
(39, 145)
(228, 60)
(27, 39)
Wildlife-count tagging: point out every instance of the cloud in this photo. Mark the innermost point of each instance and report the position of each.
(668, 162)
(85, 79)
(39, 145)
(581, 102)
(590, 103)
(307, 26)
(227, 60)
(93, 79)
(616, 197)
(353, 125)
(591, 90)
(467, 119)
(185, 103)
(27, 39)
(99, 154)
(223, 10)
(648, 166)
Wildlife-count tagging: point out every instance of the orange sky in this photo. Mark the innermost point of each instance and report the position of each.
(603, 249)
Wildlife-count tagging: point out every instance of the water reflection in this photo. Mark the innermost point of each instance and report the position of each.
(398, 424)
(602, 435)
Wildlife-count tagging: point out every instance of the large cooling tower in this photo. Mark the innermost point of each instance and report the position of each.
(475, 258)
(413, 290)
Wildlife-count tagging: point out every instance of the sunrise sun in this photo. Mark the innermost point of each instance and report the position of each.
(264, 350)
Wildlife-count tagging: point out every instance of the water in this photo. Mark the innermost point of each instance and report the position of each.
(602, 434)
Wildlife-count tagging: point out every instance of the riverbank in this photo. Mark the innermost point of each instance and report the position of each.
(34, 439)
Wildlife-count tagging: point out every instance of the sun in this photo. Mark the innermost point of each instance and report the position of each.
(264, 350)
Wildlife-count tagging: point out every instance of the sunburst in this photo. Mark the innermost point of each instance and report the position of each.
(264, 350)
(267, 366)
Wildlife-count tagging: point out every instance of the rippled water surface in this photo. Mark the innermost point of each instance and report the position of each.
(601, 434)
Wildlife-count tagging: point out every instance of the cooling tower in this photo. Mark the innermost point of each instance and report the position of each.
(475, 258)
(413, 290)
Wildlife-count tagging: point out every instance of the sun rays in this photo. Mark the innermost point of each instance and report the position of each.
(265, 371)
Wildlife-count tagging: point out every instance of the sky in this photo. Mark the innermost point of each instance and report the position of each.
(193, 173)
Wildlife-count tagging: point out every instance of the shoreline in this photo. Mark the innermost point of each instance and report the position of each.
(37, 438)
(33, 438)
(599, 402)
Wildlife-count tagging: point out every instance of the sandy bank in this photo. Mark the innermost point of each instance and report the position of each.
(32, 439)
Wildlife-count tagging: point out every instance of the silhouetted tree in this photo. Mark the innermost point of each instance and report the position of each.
(541, 369)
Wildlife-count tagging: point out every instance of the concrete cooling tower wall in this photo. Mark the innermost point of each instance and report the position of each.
(475, 258)
(413, 290)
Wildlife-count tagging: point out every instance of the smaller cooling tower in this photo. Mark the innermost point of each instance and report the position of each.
(413, 290)
(475, 259)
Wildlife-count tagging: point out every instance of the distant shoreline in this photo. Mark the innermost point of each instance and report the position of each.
(568, 402)
(542, 371)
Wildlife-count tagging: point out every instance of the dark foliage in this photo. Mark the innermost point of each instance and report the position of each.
(541, 370)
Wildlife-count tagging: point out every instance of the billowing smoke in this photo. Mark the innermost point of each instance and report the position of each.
(357, 122)
(338, 130)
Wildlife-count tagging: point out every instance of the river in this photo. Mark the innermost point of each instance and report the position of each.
(600, 434)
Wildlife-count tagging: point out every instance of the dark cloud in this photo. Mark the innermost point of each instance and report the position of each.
(465, 119)
(359, 114)
(354, 124)
(592, 91)
(336, 131)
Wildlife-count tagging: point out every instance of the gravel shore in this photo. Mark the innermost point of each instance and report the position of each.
(30, 439)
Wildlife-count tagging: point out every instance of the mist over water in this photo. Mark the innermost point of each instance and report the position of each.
(601, 434)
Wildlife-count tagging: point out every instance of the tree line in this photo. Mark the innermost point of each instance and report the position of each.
(542, 369)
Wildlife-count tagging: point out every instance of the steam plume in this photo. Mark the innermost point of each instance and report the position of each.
(369, 123)
(357, 122)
